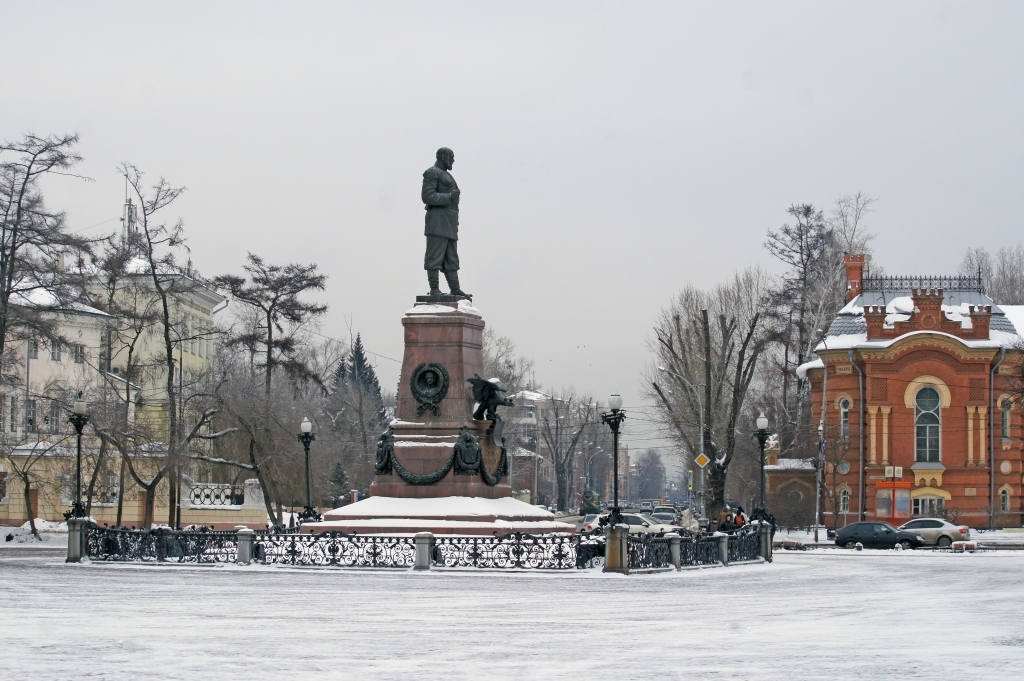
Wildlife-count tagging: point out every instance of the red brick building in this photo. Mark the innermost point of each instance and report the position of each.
(919, 410)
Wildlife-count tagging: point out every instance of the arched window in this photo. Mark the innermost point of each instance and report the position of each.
(927, 421)
(844, 501)
(1005, 408)
(1004, 500)
(844, 419)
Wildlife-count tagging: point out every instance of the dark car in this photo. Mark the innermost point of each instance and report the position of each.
(877, 536)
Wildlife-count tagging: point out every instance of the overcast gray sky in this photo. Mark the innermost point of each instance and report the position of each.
(607, 152)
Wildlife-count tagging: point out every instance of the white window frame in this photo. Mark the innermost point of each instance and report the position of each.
(918, 412)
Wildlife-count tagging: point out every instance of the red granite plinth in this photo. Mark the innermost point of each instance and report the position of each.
(449, 334)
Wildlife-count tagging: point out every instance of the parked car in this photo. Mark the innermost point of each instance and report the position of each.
(937, 532)
(877, 536)
(665, 509)
(644, 523)
(646, 506)
(589, 523)
(667, 518)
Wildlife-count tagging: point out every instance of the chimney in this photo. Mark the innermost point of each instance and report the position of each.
(981, 319)
(874, 317)
(854, 274)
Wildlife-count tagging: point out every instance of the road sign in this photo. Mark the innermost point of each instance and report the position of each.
(702, 460)
(689, 481)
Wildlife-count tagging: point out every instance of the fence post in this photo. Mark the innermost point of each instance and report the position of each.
(423, 540)
(673, 551)
(764, 531)
(723, 548)
(616, 553)
(246, 538)
(76, 540)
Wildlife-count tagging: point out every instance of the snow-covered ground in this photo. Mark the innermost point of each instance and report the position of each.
(51, 535)
(819, 614)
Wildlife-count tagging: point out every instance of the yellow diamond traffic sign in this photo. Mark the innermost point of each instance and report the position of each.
(702, 460)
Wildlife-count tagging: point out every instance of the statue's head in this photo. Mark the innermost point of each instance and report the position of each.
(445, 158)
(430, 378)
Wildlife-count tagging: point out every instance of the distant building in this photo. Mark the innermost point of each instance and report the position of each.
(919, 408)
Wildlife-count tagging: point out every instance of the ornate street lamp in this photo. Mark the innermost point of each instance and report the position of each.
(306, 437)
(762, 434)
(78, 419)
(614, 419)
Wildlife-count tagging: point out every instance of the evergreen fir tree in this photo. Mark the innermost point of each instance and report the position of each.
(360, 372)
(339, 481)
(340, 376)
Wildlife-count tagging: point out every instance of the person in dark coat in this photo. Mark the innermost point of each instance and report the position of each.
(440, 196)
(727, 525)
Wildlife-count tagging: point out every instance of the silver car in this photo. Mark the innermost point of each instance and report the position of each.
(643, 523)
(937, 532)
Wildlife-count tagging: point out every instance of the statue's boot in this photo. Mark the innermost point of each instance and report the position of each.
(453, 284)
(435, 285)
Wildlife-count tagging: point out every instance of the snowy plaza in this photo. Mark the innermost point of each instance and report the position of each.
(817, 614)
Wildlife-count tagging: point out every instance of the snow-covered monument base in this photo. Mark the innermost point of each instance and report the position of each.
(438, 468)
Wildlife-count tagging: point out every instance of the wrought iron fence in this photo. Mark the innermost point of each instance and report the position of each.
(516, 550)
(160, 545)
(745, 545)
(698, 550)
(590, 549)
(648, 551)
(215, 494)
(334, 549)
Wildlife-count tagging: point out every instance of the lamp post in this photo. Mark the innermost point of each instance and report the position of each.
(703, 434)
(306, 437)
(78, 419)
(762, 435)
(614, 419)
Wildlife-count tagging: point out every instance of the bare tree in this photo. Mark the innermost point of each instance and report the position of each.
(1002, 274)
(847, 222)
(717, 361)
(568, 415)
(650, 475)
(34, 240)
(502, 361)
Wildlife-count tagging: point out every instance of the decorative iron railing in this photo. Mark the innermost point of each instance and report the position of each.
(648, 551)
(698, 550)
(516, 550)
(216, 494)
(744, 545)
(160, 545)
(969, 283)
(334, 549)
(511, 551)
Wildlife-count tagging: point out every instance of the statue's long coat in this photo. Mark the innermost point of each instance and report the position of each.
(442, 214)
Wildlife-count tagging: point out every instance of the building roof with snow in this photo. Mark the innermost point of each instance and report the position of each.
(882, 310)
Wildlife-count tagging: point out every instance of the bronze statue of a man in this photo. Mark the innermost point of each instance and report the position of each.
(441, 200)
